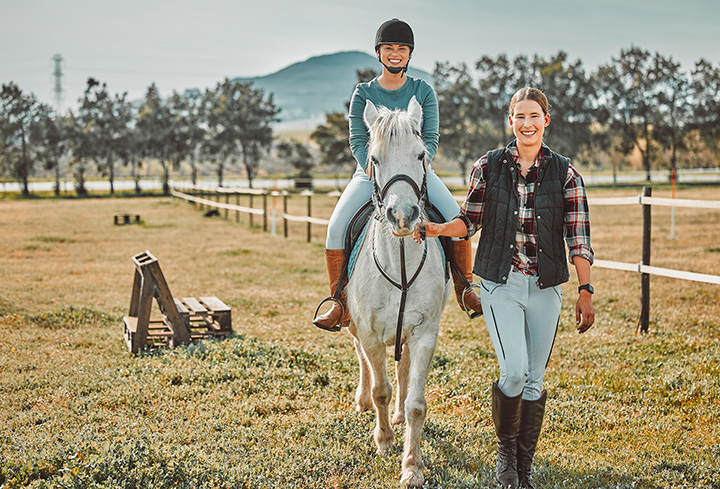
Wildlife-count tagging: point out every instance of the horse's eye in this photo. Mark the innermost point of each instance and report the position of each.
(421, 156)
(373, 160)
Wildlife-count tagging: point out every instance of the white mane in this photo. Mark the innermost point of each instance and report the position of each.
(391, 125)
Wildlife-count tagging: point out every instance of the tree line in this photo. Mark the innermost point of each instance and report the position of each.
(226, 125)
(638, 103)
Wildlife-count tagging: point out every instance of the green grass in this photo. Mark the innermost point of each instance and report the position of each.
(272, 406)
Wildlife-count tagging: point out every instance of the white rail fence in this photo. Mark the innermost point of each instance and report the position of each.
(201, 196)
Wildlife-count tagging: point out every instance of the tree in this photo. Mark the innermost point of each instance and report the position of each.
(705, 87)
(190, 108)
(298, 155)
(16, 115)
(332, 140)
(498, 80)
(127, 139)
(185, 132)
(239, 119)
(572, 98)
(49, 139)
(154, 126)
(78, 144)
(105, 124)
(628, 103)
(464, 132)
(674, 106)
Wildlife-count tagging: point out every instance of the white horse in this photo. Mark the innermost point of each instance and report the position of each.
(396, 280)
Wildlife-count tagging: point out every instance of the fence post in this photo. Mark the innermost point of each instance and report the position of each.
(264, 211)
(227, 201)
(237, 203)
(645, 277)
(251, 214)
(285, 223)
(309, 213)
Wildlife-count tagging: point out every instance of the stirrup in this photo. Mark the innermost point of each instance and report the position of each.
(470, 313)
(338, 326)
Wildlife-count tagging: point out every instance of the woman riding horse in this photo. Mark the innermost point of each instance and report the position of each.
(394, 44)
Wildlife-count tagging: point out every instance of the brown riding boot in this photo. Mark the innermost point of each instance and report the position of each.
(338, 315)
(467, 298)
(531, 418)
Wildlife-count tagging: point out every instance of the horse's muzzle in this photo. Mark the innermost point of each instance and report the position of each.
(403, 219)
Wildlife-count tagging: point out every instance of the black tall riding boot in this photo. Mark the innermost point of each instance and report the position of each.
(531, 418)
(506, 417)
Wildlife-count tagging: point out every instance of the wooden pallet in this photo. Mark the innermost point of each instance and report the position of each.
(182, 321)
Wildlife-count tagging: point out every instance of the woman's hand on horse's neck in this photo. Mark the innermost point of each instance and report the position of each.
(390, 81)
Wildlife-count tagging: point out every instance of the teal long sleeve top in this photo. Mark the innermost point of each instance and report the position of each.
(393, 99)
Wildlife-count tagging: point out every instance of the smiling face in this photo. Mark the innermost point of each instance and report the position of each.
(394, 55)
(529, 120)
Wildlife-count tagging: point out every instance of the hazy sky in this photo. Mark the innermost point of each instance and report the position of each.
(181, 44)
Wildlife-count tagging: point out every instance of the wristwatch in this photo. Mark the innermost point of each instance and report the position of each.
(587, 287)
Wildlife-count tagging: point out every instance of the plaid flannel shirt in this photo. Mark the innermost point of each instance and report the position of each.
(577, 220)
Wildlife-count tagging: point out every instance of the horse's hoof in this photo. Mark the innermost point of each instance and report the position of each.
(412, 479)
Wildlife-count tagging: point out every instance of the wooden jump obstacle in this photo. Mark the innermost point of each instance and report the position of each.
(126, 219)
(182, 321)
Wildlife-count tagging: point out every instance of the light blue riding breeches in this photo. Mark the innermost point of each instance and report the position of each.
(522, 320)
(359, 191)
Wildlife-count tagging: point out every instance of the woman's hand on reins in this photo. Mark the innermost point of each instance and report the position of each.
(426, 230)
(455, 229)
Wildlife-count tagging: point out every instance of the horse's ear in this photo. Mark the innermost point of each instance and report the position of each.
(370, 115)
(415, 112)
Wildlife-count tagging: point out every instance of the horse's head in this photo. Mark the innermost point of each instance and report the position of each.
(397, 157)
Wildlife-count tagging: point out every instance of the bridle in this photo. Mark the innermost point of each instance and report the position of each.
(379, 193)
(404, 284)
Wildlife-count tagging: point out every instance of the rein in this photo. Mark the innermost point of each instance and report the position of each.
(404, 285)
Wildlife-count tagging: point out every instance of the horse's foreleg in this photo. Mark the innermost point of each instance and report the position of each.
(421, 353)
(381, 395)
(363, 399)
(402, 369)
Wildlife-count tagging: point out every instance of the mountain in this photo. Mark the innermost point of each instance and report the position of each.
(307, 90)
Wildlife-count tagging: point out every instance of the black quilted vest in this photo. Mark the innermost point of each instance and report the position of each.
(496, 248)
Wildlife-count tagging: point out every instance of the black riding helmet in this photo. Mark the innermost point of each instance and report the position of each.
(394, 31)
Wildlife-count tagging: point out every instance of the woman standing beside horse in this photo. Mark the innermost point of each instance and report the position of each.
(394, 44)
(529, 202)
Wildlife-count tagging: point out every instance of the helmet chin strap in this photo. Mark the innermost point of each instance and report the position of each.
(395, 69)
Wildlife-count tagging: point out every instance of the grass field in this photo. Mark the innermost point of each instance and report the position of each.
(271, 407)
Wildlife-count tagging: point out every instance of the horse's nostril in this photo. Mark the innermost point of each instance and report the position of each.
(415, 213)
(390, 213)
